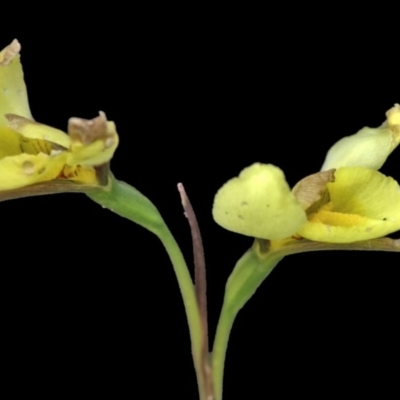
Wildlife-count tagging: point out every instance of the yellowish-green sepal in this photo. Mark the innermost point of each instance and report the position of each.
(369, 148)
(13, 94)
(259, 204)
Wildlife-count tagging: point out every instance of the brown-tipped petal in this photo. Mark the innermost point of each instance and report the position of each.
(93, 142)
(87, 131)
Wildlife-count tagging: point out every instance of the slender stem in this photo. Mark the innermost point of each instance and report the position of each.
(191, 307)
(253, 268)
(127, 202)
(250, 271)
(220, 346)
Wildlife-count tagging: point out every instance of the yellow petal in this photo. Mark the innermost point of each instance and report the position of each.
(364, 204)
(12, 143)
(27, 169)
(9, 142)
(34, 130)
(259, 204)
(13, 95)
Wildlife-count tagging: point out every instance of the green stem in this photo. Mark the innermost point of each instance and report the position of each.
(250, 271)
(224, 328)
(191, 307)
(127, 202)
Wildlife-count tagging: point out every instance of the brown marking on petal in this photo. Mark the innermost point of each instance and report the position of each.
(28, 167)
(297, 237)
(16, 122)
(311, 189)
(9, 53)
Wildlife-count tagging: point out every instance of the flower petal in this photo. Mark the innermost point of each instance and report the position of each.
(259, 204)
(13, 94)
(34, 130)
(27, 169)
(364, 204)
(12, 143)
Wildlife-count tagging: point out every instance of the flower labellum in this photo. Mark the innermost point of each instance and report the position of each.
(360, 204)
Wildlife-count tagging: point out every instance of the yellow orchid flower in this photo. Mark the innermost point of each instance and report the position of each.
(31, 152)
(348, 201)
(359, 203)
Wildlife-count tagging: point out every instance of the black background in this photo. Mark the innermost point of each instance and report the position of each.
(90, 298)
